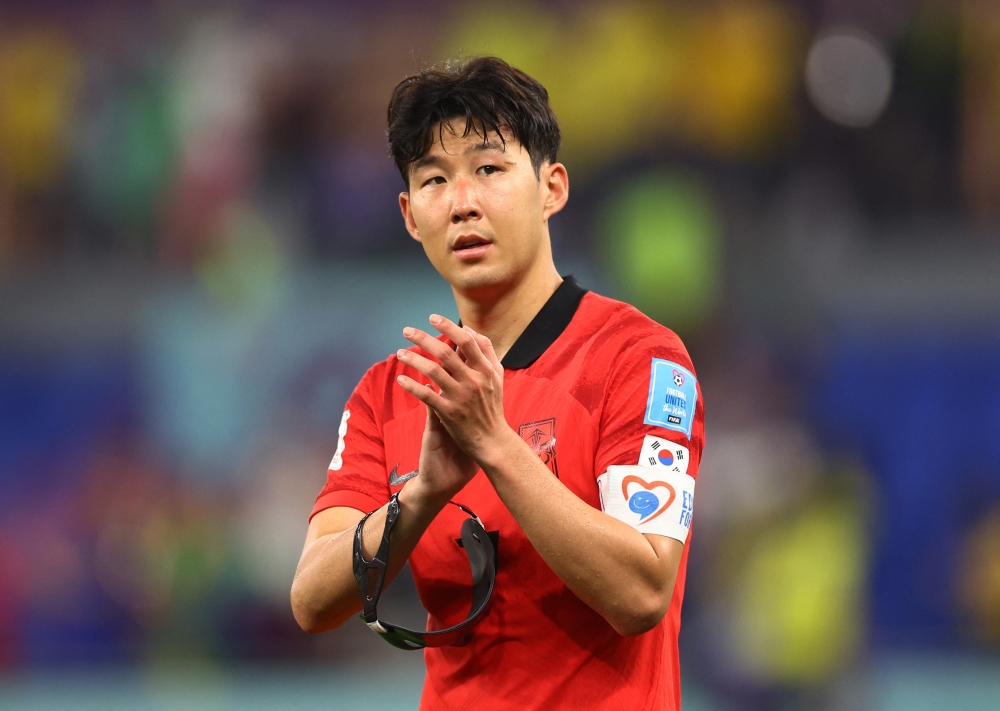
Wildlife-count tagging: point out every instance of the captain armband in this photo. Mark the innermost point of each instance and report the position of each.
(649, 499)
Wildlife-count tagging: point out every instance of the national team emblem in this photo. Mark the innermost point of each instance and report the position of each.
(678, 378)
(541, 436)
(645, 501)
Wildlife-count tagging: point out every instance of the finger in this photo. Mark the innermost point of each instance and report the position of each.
(486, 346)
(465, 341)
(438, 375)
(433, 421)
(423, 393)
(449, 360)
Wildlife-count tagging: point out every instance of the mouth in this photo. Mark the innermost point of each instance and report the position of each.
(471, 247)
(469, 243)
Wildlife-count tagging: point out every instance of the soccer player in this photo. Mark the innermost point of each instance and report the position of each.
(571, 424)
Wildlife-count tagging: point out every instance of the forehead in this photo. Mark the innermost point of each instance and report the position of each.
(450, 139)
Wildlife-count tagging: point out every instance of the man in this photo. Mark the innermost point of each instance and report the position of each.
(569, 422)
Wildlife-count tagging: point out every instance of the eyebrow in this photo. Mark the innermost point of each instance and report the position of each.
(487, 146)
(479, 146)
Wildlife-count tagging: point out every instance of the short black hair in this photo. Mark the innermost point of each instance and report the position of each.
(485, 91)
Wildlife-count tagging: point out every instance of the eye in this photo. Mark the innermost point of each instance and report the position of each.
(488, 169)
(436, 180)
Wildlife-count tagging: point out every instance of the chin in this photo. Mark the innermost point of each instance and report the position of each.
(478, 277)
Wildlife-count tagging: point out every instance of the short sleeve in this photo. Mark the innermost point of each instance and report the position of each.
(653, 413)
(356, 477)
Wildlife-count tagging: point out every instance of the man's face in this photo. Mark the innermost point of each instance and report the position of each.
(479, 209)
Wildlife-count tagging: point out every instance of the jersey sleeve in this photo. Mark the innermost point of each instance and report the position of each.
(356, 477)
(651, 437)
(653, 395)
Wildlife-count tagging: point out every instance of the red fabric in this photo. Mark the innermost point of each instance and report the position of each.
(540, 647)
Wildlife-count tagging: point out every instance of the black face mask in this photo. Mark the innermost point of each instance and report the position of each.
(482, 561)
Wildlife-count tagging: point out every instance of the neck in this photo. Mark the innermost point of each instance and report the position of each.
(502, 314)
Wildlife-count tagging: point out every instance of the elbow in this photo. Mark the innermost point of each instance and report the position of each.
(642, 615)
(638, 623)
(308, 623)
(648, 605)
(300, 612)
(305, 615)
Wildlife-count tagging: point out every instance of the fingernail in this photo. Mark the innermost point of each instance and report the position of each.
(407, 332)
(435, 319)
(399, 379)
(401, 353)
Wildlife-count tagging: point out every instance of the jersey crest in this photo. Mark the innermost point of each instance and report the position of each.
(541, 435)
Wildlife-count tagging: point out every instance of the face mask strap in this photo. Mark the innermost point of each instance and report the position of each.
(379, 563)
(468, 512)
(482, 562)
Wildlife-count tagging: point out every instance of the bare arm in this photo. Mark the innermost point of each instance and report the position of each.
(324, 591)
(624, 575)
(627, 577)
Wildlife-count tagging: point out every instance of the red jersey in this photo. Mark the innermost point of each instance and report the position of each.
(578, 388)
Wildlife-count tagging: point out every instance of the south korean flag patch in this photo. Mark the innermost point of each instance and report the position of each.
(658, 452)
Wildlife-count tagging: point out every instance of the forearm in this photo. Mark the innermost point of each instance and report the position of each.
(609, 565)
(325, 592)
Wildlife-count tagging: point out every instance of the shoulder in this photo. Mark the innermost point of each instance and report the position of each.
(379, 391)
(646, 374)
(621, 334)
(375, 377)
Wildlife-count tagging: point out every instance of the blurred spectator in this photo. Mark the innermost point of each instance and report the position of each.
(39, 76)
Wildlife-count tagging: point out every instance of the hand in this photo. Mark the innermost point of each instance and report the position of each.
(469, 403)
(444, 468)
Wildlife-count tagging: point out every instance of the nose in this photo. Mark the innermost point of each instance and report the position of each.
(465, 202)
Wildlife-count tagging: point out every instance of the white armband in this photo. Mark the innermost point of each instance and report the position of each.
(656, 500)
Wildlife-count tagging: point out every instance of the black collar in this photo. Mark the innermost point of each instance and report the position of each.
(546, 327)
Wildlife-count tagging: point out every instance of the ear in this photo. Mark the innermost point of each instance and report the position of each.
(411, 225)
(555, 188)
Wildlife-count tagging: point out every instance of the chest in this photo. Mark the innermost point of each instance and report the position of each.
(562, 434)
(542, 412)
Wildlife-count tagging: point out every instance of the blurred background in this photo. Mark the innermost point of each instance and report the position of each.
(201, 253)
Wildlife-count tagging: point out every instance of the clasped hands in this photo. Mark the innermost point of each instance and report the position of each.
(467, 403)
